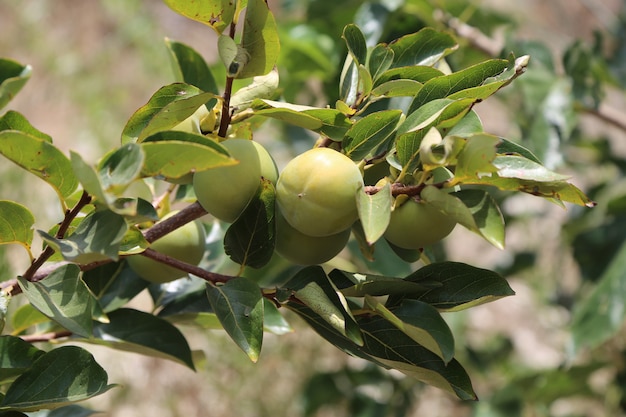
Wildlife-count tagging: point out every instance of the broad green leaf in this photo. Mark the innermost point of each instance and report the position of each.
(469, 125)
(89, 179)
(397, 88)
(39, 157)
(425, 47)
(16, 224)
(17, 356)
(513, 166)
(477, 158)
(447, 85)
(191, 156)
(120, 168)
(506, 147)
(421, 322)
(239, 306)
(13, 76)
(358, 285)
(65, 298)
(261, 87)
(349, 82)
(461, 286)
(139, 332)
(419, 73)
(169, 106)
(600, 315)
(217, 14)
(26, 316)
(355, 41)
(250, 240)
(380, 60)
(312, 287)
(13, 120)
(60, 377)
(273, 321)
(114, 284)
(98, 237)
(191, 68)
(259, 40)
(369, 133)
(375, 212)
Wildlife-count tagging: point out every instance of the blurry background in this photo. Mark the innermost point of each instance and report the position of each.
(546, 351)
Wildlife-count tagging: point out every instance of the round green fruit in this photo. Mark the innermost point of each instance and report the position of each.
(316, 192)
(302, 249)
(226, 191)
(185, 244)
(414, 225)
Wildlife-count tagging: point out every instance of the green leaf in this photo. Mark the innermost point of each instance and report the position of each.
(13, 120)
(477, 157)
(239, 306)
(380, 60)
(600, 315)
(217, 14)
(349, 82)
(191, 68)
(369, 133)
(358, 285)
(26, 316)
(139, 332)
(259, 40)
(250, 240)
(397, 88)
(114, 284)
(17, 356)
(194, 153)
(64, 298)
(13, 76)
(169, 106)
(513, 166)
(71, 411)
(419, 74)
(507, 147)
(60, 377)
(39, 157)
(375, 212)
(16, 224)
(273, 321)
(120, 167)
(421, 322)
(262, 86)
(312, 287)
(98, 237)
(461, 286)
(425, 47)
(355, 41)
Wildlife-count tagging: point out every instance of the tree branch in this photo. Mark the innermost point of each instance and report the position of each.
(183, 266)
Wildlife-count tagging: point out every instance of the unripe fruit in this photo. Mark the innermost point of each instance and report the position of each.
(302, 249)
(226, 191)
(415, 225)
(316, 192)
(185, 244)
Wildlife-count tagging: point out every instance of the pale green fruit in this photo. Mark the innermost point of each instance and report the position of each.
(415, 225)
(226, 191)
(316, 192)
(185, 244)
(302, 249)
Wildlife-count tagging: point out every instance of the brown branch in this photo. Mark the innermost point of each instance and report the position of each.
(184, 266)
(228, 89)
(45, 337)
(607, 114)
(473, 35)
(186, 215)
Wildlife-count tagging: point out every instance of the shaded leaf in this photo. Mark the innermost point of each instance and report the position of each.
(355, 41)
(359, 285)
(417, 73)
(273, 321)
(120, 167)
(16, 224)
(381, 58)
(136, 331)
(60, 377)
(191, 68)
(425, 47)
(13, 76)
(375, 212)
(369, 133)
(13, 120)
(238, 305)
(16, 357)
(114, 284)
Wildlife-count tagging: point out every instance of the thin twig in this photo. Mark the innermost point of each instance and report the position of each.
(184, 266)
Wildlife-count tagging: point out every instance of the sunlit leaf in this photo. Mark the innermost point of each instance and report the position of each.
(13, 76)
(239, 306)
(190, 67)
(355, 41)
(381, 58)
(60, 377)
(369, 133)
(120, 168)
(261, 87)
(16, 224)
(26, 316)
(13, 120)
(425, 47)
(477, 157)
(375, 212)
(216, 14)
(259, 40)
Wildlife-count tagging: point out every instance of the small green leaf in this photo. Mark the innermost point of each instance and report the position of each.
(250, 240)
(259, 40)
(380, 60)
(262, 86)
(369, 133)
(359, 285)
(96, 238)
(355, 41)
(60, 377)
(64, 298)
(419, 73)
(461, 286)
(239, 306)
(397, 88)
(120, 167)
(425, 47)
(477, 157)
(16, 224)
(375, 212)
(349, 82)
(13, 76)
(17, 356)
(217, 14)
(13, 120)
(39, 157)
(169, 106)
(191, 68)
(136, 331)
(26, 316)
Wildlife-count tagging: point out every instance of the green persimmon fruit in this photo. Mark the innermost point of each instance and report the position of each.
(302, 249)
(226, 191)
(414, 225)
(316, 192)
(185, 244)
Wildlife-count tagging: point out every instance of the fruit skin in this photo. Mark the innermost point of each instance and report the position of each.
(185, 244)
(226, 191)
(302, 249)
(316, 192)
(414, 225)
